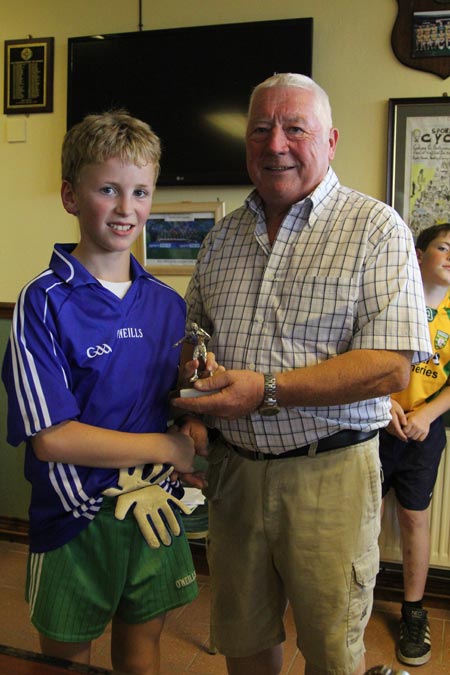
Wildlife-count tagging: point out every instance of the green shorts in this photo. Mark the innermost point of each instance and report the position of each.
(107, 570)
(301, 530)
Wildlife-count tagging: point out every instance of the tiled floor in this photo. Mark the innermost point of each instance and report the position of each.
(185, 637)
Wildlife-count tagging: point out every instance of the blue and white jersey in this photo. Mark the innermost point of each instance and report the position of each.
(78, 352)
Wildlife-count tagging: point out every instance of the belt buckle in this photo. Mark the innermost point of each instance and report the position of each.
(258, 455)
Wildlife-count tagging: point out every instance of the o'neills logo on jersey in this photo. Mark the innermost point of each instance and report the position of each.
(98, 350)
(186, 581)
(124, 333)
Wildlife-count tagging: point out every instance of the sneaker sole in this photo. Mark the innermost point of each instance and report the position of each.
(414, 661)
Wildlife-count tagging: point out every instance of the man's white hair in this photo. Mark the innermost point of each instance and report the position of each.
(300, 82)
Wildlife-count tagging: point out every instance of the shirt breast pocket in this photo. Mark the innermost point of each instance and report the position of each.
(319, 312)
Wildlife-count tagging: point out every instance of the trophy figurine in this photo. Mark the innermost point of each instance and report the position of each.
(198, 337)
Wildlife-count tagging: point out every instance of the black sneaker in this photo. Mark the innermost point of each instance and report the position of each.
(414, 647)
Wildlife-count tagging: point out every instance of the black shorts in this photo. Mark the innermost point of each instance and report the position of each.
(411, 468)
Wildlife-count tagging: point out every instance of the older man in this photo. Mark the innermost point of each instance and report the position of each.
(313, 299)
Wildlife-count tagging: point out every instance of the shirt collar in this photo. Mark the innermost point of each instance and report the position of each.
(70, 270)
(314, 201)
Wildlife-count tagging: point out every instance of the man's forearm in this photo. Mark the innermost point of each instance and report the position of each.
(347, 378)
(354, 376)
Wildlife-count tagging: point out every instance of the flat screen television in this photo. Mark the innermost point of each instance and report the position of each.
(191, 85)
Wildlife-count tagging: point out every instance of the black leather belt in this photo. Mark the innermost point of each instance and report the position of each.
(340, 440)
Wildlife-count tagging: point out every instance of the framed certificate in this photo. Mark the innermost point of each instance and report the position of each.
(28, 76)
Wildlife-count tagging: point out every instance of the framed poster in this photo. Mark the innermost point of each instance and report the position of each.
(418, 176)
(173, 235)
(28, 76)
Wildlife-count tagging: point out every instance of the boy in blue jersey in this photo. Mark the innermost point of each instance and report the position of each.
(88, 371)
(412, 443)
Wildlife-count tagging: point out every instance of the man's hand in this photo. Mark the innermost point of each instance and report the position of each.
(191, 366)
(193, 426)
(153, 512)
(196, 479)
(241, 393)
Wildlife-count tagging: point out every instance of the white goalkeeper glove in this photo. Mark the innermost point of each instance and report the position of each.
(153, 512)
(150, 503)
(133, 479)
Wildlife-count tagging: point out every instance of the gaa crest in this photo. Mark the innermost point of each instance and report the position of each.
(421, 35)
(440, 339)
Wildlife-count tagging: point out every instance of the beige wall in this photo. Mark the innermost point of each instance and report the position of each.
(352, 60)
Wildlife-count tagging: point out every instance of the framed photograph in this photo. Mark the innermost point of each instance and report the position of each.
(28, 76)
(418, 176)
(420, 36)
(431, 32)
(173, 235)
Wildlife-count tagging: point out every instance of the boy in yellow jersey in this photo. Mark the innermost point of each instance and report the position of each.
(412, 443)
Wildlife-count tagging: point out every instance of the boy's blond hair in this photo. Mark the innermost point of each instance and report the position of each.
(98, 138)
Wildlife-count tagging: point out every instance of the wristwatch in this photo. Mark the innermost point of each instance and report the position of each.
(269, 406)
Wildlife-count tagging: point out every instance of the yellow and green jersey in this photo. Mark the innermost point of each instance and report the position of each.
(429, 377)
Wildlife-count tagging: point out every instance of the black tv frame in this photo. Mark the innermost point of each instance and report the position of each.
(152, 72)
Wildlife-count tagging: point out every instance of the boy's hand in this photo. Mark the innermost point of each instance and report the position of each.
(150, 504)
(183, 451)
(418, 424)
(398, 421)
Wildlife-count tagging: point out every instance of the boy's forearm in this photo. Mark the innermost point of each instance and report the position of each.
(73, 442)
(438, 406)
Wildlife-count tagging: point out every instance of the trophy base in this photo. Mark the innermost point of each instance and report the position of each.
(194, 393)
